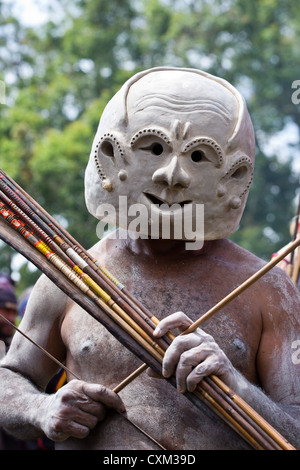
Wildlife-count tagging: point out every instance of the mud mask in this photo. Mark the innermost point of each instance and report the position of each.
(168, 140)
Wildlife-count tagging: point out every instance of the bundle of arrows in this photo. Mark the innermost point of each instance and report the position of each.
(31, 231)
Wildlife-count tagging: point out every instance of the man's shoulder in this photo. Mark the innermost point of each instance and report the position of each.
(241, 256)
(47, 295)
(251, 264)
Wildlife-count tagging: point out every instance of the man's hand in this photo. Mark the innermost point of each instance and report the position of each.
(76, 408)
(193, 356)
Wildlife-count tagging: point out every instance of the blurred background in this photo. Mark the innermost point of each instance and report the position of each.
(61, 61)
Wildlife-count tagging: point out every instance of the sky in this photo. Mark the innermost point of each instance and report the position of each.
(31, 12)
(278, 144)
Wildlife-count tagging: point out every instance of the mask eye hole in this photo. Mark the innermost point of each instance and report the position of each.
(157, 149)
(197, 156)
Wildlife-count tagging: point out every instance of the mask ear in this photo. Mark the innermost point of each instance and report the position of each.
(237, 181)
(109, 158)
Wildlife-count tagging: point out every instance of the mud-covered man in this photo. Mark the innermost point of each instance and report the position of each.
(168, 137)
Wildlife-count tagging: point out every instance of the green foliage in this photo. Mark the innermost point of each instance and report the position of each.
(264, 227)
(59, 76)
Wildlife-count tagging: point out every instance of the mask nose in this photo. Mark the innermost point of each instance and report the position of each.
(172, 174)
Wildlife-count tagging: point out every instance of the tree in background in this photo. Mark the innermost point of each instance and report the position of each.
(60, 75)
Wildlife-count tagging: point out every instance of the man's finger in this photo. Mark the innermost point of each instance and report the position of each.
(104, 395)
(172, 356)
(175, 320)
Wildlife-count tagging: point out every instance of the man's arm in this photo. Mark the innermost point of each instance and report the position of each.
(25, 410)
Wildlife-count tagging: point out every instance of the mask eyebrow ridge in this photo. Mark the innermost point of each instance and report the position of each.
(149, 131)
(219, 155)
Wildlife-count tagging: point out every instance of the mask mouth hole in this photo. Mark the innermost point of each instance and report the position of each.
(156, 200)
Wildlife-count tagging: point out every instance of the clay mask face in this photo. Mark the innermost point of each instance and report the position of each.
(173, 137)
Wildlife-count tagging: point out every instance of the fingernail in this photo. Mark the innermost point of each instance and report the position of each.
(157, 331)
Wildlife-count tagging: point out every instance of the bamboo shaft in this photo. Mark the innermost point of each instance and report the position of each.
(261, 436)
(78, 277)
(130, 378)
(253, 414)
(296, 269)
(296, 229)
(124, 321)
(15, 240)
(94, 276)
(59, 363)
(204, 395)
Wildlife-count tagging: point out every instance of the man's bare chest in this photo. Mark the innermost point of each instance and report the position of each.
(99, 357)
(95, 352)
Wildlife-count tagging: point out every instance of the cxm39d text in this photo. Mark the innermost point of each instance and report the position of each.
(171, 459)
